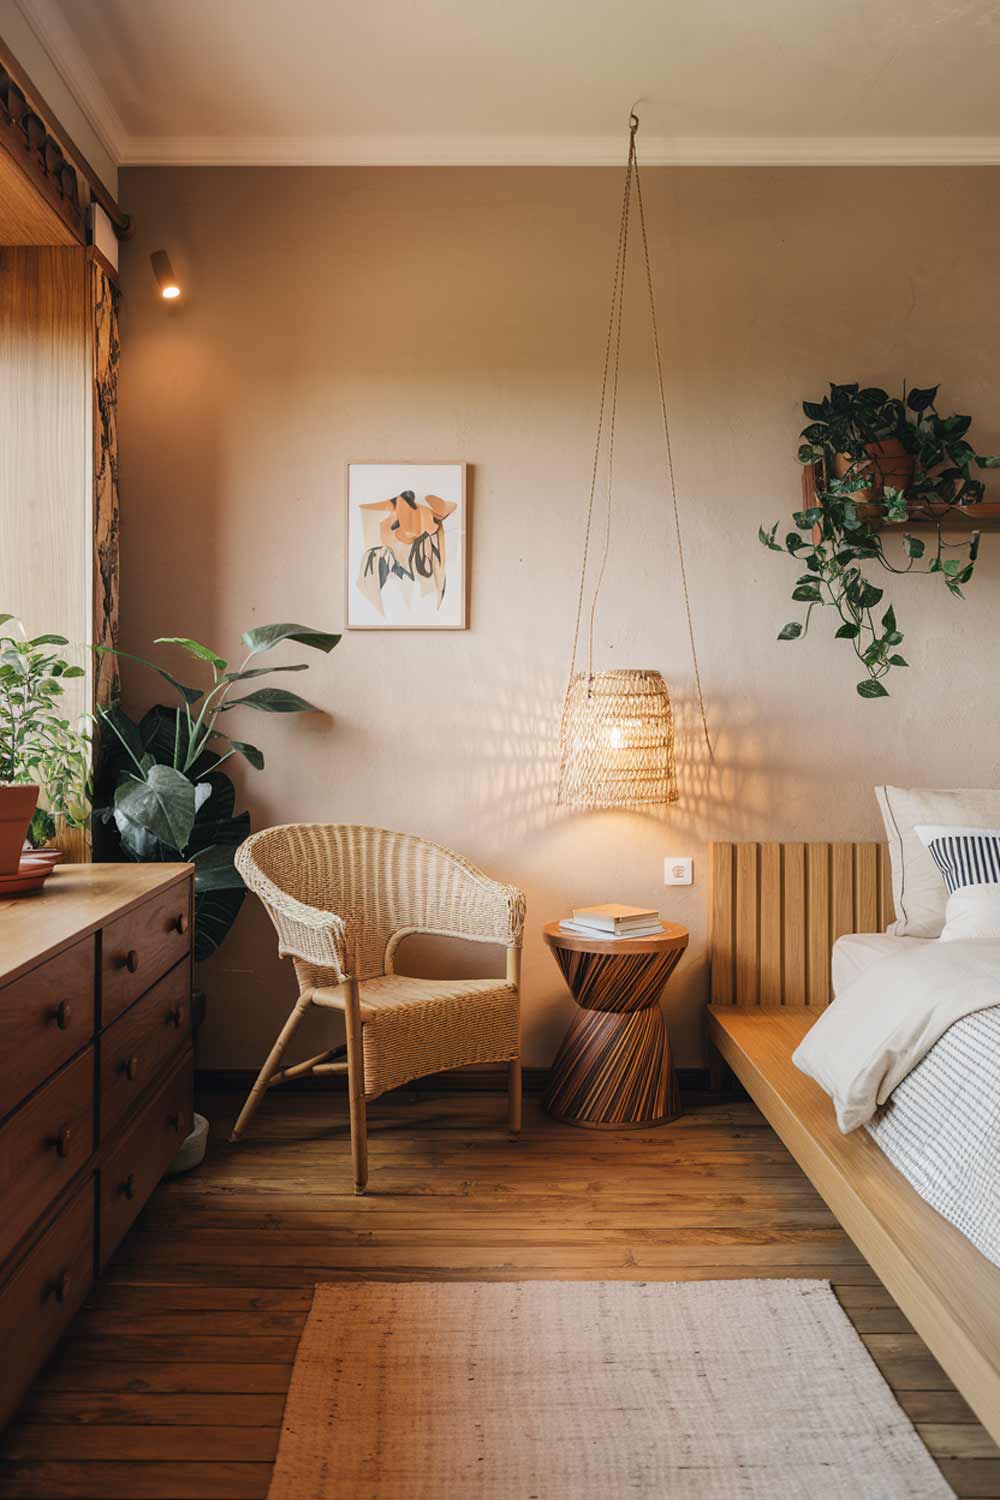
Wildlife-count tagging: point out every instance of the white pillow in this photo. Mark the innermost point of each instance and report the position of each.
(973, 915)
(919, 893)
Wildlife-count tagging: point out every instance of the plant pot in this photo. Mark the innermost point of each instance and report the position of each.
(889, 464)
(17, 805)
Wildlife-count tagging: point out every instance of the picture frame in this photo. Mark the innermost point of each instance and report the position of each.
(406, 545)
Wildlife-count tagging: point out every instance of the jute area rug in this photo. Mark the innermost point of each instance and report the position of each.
(592, 1391)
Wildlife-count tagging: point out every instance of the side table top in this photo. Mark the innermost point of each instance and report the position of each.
(672, 938)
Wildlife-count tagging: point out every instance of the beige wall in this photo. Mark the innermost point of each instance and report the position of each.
(333, 313)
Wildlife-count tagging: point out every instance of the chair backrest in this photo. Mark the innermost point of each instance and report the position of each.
(385, 883)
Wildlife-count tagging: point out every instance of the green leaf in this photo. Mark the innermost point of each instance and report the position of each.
(264, 672)
(889, 619)
(914, 546)
(847, 632)
(214, 869)
(807, 593)
(919, 400)
(264, 637)
(984, 460)
(898, 661)
(790, 632)
(162, 804)
(872, 689)
(190, 695)
(766, 538)
(272, 701)
(249, 752)
(203, 653)
(48, 640)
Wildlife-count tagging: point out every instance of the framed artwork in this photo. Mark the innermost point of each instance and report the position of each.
(407, 546)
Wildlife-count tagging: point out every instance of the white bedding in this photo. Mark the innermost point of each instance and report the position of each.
(857, 951)
(883, 1024)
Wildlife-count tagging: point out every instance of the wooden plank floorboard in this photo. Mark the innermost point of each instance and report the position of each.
(172, 1380)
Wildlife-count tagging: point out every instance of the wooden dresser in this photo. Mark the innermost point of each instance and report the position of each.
(96, 1069)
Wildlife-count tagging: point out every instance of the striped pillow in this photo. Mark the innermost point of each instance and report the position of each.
(965, 856)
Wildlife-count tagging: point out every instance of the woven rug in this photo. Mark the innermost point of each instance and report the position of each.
(592, 1391)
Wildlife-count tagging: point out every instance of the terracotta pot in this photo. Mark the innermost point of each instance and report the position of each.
(889, 464)
(17, 806)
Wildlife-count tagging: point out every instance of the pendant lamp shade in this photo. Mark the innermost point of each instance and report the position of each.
(617, 741)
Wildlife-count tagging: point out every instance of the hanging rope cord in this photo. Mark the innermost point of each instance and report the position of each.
(612, 363)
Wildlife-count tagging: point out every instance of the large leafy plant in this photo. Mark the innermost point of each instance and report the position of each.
(835, 541)
(171, 799)
(38, 743)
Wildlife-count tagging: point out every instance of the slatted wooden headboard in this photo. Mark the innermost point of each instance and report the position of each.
(775, 911)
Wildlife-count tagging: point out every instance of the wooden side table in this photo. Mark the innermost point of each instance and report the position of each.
(613, 1070)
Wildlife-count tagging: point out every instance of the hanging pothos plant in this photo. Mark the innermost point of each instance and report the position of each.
(170, 799)
(871, 455)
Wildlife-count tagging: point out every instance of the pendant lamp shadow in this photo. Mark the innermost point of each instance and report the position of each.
(617, 731)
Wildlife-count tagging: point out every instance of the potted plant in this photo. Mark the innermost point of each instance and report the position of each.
(875, 458)
(880, 441)
(41, 752)
(170, 798)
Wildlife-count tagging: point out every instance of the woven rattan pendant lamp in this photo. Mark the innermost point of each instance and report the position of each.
(617, 734)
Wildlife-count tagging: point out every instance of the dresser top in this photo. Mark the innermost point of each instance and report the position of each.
(75, 901)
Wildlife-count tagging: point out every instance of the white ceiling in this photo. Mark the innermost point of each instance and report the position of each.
(531, 81)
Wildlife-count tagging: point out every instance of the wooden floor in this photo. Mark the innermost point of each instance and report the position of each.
(172, 1381)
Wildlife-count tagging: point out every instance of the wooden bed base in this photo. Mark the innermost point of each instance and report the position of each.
(769, 974)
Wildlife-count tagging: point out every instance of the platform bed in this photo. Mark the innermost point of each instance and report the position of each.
(947, 1289)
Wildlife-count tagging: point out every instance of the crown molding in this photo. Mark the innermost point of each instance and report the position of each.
(67, 57)
(547, 151)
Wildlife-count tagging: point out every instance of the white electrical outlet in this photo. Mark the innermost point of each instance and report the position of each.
(678, 871)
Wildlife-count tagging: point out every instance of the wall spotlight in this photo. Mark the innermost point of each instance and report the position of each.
(164, 273)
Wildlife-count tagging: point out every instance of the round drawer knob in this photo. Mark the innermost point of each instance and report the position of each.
(181, 923)
(131, 1069)
(63, 1014)
(131, 961)
(128, 1186)
(64, 1139)
(177, 1016)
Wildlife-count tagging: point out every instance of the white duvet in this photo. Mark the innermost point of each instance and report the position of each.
(882, 1025)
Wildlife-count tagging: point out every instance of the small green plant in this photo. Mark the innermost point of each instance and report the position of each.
(835, 540)
(37, 743)
(171, 800)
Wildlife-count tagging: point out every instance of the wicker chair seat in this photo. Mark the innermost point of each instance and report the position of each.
(417, 1026)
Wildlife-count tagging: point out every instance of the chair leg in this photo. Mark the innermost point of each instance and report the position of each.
(514, 1096)
(269, 1069)
(356, 1091)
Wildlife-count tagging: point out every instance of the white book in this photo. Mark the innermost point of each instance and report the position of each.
(585, 929)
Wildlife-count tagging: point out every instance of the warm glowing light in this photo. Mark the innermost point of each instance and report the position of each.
(164, 273)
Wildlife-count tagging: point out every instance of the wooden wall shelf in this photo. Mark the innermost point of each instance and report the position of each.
(985, 516)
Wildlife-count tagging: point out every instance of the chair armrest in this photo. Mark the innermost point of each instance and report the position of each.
(317, 937)
(477, 907)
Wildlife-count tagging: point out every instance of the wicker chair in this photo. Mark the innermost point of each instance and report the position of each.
(342, 898)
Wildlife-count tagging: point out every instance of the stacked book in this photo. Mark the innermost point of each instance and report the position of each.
(613, 921)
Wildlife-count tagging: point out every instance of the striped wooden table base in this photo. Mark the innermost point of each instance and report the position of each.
(614, 1069)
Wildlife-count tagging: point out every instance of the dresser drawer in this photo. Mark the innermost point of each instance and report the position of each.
(138, 948)
(142, 1043)
(132, 1171)
(43, 1146)
(45, 1016)
(43, 1294)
